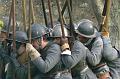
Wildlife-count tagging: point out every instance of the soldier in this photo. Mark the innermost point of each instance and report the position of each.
(76, 60)
(1, 57)
(87, 34)
(43, 62)
(63, 72)
(5, 29)
(17, 67)
(3, 48)
(111, 55)
(4, 45)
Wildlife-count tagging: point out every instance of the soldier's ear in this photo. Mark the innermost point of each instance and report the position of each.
(24, 45)
(44, 37)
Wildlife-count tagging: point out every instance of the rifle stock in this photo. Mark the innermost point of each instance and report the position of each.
(106, 14)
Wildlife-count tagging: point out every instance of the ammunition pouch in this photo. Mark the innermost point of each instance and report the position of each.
(102, 71)
(58, 74)
(61, 73)
(79, 69)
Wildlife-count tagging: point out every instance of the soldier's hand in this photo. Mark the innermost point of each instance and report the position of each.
(64, 44)
(105, 34)
(33, 53)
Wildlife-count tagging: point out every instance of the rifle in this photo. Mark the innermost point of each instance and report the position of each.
(32, 12)
(63, 41)
(50, 13)
(24, 13)
(9, 23)
(45, 17)
(62, 12)
(61, 18)
(71, 5)
(106, 14)
(30, 21)
(30, 2)
(14, 29)
(72, 33)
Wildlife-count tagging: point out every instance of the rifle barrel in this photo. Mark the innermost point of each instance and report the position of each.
(45, 17)
(50, 13)
(24, 13)
(62, 12)
(14, 27)
(61, 18)
(30, 21)
(32, 12)
(10, 18)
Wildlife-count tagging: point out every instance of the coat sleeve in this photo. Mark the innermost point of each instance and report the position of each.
(52, 58)
(95, 55)
(77, 53)
(10, 72)
(109, 53)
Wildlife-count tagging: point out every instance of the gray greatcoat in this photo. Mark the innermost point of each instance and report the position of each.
(112, 58)
(77, 62)
(95, 58)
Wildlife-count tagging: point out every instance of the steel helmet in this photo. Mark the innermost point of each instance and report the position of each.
(37, 31)
(21, 37)
(57, 32)
(86, 29)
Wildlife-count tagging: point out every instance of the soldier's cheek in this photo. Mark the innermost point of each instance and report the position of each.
(36, 46)
(21, 50)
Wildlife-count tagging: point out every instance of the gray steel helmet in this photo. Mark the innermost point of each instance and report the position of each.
(86, 29)
(54, 23)
(57, 32)
(75, 26)
(20, 37)
(37, 31)
(5, 27)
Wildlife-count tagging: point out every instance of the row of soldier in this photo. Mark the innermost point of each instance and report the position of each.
(51, 56)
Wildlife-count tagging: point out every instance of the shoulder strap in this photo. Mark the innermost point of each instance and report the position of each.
(116, 49)
(89, 46)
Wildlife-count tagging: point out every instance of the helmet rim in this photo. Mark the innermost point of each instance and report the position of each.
(87, 36)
